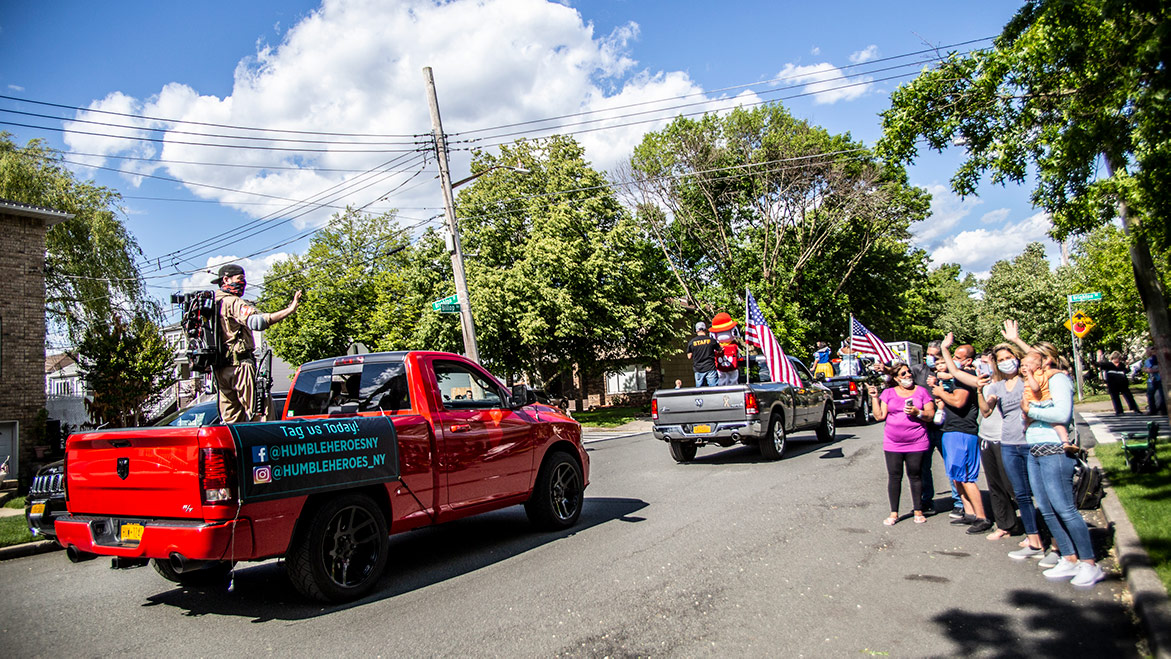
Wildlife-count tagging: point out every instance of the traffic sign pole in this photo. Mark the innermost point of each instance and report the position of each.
(1077, 348)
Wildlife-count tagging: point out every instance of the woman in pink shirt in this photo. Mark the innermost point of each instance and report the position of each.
(906, 408)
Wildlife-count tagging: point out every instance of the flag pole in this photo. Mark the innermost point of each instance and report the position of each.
(747, 367)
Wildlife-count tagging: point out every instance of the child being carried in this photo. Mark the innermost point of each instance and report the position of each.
(1037, 393)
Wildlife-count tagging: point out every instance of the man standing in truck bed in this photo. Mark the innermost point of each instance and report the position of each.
(235, 375)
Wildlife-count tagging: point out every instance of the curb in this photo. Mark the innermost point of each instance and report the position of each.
(1150, 600)
(28, 549)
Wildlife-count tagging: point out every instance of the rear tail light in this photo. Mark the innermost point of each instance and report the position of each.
(655, 409)
(853, 389)
(217, 476)
(750, 406)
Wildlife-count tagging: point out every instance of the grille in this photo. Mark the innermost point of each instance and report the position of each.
(48, 484)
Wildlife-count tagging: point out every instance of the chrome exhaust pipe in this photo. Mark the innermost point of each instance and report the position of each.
(735, 436)
(181, 564)
(127, 562)
(75, 555)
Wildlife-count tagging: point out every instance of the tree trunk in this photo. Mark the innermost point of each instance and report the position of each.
(1150, 291)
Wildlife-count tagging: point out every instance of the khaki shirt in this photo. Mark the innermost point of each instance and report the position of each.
(234, 313)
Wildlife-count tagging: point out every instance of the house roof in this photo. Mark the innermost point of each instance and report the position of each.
(49, 215)
(54, 363)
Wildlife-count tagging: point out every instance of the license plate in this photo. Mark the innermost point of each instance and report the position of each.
(37, 509)
(701, 429)
(131, 532)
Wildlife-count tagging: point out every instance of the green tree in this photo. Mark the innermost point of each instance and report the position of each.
(90, 270)
(1101, 262)
(558, 272)
(353, 290)
(127, 365)
(1075, 91)
(809, 220)
(1028, 291)
(949, 304)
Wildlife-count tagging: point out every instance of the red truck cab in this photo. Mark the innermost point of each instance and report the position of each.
(368, 445)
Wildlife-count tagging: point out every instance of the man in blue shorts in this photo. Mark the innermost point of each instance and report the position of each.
(961, 441)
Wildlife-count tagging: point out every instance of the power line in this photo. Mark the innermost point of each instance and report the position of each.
(203, 123)
(176, 131)
(220, 146)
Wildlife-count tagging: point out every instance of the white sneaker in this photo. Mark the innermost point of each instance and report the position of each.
(1087, 575)
(1064, 570)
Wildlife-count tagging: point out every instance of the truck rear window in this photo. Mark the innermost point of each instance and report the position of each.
(350, 388)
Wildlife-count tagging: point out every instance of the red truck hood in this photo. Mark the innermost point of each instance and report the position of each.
(141, 472)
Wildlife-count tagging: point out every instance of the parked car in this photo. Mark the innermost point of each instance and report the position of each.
(850, 391)
(46, 497)
(761, 413)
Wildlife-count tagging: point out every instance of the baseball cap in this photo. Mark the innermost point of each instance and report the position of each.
(700, 326)
(228, 270)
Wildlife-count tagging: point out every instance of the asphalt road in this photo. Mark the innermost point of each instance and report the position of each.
(727, 556)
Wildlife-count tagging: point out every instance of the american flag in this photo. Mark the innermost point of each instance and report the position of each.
(757, 333)
(864, 341)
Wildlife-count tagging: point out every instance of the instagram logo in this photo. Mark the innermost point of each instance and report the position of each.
(261, 475)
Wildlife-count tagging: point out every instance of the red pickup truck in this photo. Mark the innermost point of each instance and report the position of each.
(368, 445)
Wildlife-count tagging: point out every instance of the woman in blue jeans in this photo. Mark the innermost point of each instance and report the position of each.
(1003, 397)
(1051, 476)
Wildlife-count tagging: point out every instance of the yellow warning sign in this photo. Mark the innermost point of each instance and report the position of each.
(1080, 324)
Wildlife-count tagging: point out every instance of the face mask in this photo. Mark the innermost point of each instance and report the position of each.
(906, 384)
(930, 361)
(1008, 366)
(236, 288)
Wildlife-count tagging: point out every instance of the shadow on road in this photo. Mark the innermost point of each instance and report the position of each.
(418, 559)
(1052, 627)
(797, 446)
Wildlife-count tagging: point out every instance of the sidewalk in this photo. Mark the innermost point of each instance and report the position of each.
(630, 429)
(1150, 600)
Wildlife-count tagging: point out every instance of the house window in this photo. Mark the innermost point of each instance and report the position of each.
(626, 380)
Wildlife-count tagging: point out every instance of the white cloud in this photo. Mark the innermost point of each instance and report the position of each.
(864, 55)
(947, 209)
(977, 249)
(816, 50)
(826, 82)
(355, 66)
(16, 88)
(995, 217)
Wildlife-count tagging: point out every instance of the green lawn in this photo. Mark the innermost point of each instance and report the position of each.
(609, 417)
(14, 531)
(18, 502)
(1147, 500)
(1139, 391)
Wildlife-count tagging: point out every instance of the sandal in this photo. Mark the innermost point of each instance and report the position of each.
(998, 534)
(890, 521)
(920, 518)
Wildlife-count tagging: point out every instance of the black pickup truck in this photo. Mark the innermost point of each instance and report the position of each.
(851, 397)
(762, 412)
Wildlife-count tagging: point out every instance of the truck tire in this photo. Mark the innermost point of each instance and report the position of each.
(558, 494)
(772, 445)
(212, 576)
(341, 554)
(862, 414)
(827, 430)
(682, 451)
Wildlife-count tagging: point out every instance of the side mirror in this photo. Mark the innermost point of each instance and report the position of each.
(820, 377)
(521, 396)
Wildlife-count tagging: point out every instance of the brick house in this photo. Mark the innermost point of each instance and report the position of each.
(22, 329)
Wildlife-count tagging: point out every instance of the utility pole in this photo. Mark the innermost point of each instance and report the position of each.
(457, 255)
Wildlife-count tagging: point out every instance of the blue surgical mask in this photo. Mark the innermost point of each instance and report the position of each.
(1008, 366)
(930, 361)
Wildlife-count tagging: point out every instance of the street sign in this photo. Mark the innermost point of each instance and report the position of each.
(448, 308)
(1080, 324)
(450, 299)
(1085, 297)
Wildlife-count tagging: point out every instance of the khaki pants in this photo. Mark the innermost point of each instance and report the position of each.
(237, 385)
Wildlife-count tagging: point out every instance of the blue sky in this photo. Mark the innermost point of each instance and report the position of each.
(350, 66)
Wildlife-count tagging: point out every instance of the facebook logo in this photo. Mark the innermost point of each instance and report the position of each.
(259, 454)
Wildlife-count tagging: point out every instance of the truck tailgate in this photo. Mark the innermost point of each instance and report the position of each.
(701, 405)
(142, 472)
